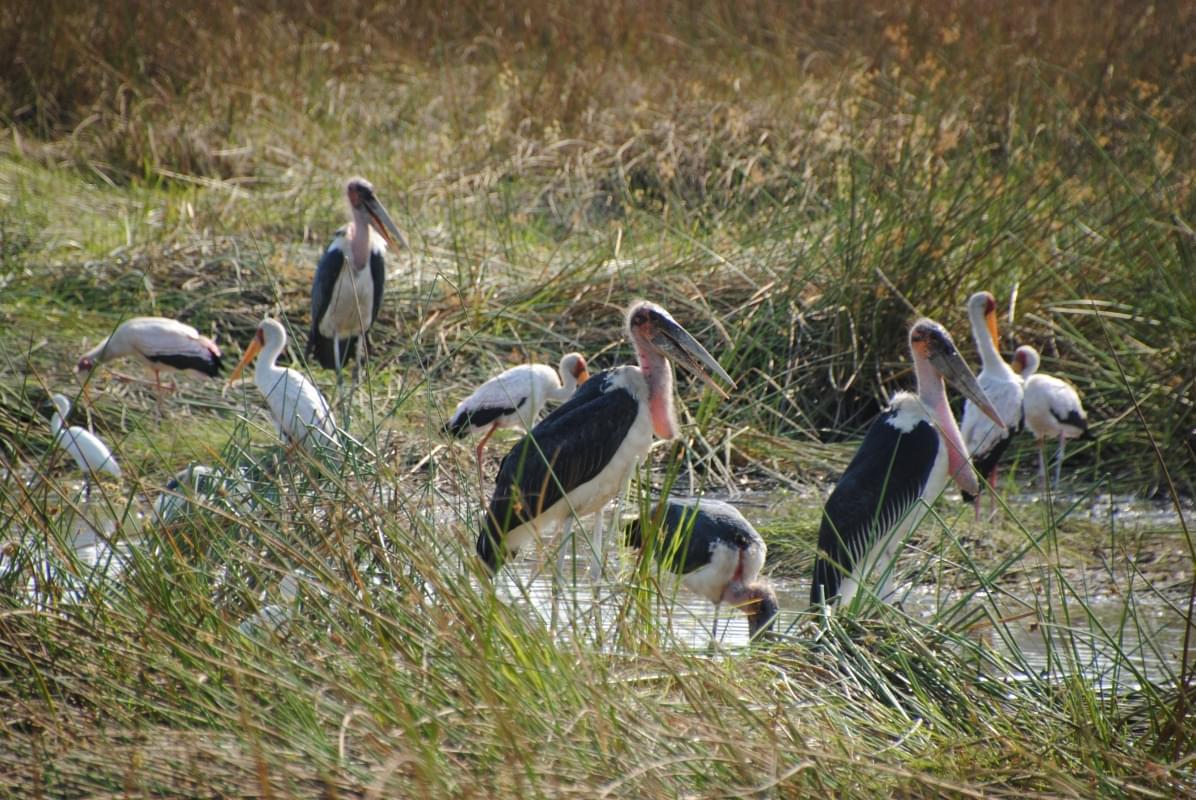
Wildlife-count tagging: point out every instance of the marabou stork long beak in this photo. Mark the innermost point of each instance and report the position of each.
(681, 348)
(383, 223)
(950, 364)
(251, 352)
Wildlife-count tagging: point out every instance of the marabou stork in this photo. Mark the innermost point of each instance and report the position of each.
(91, 455)
(583, 453)
(515, 398)
(345, 302)
(902, 466)
(1052, 408)
(300, 412)
(717, 553)
(1002, 386)
(161, 344)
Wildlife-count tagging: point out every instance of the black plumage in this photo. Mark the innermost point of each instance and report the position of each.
(689, 532)
(460, 425)
(565, 450)
(328, 272)
(211, 365)
(876, 491)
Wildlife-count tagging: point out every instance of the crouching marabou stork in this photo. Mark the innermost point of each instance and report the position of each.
(583, 453)
(159, 343)
(718, 555)
(986, 442)
(300, 412)
(515, 398)
(1052, 407)
(345, 301)
(902, 466)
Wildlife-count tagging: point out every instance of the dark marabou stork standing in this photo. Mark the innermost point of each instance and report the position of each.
(717, 553)
(583, 453)
(345, 302)
(1002, 386)
(1052, 407)
(902, 466)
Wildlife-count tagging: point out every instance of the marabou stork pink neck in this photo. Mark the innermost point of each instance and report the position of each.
(933, 394)
(358, 235)
(658, 374)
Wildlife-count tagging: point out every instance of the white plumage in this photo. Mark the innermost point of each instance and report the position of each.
(160, 344)
(300, 413)
(1002, 386)
(1052, 408)
(515, 398)
(91, 455)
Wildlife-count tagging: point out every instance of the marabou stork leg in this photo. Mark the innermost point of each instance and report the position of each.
(596, 554)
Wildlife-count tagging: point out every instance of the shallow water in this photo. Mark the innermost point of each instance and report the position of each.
(102, 546)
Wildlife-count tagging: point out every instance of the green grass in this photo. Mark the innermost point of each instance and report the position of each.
(795, 182)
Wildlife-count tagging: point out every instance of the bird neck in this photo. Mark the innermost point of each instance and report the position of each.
(990, 356)
(101, 352)
(359, 238)
(758, 602)
(267, 362)
(933, 394)
(658, 374)
(568, 385)
(56, 423)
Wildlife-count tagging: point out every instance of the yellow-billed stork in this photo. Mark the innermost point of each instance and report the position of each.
(159, 343)
(300, 412)
(900, 469)
(1052, 407)
(515, 398)
(986, 442)
(91, 455)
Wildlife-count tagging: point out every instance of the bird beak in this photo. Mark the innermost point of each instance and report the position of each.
(583, 377)
(954, 369)
(683, 349)
(255, 347)
(382, 221)
(991, 319)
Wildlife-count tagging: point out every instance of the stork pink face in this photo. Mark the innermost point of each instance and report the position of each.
(654, 328)
(360, 193)
(85, 365)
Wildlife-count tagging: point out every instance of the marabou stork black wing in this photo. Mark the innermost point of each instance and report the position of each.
(327, 273)
(565, 450)
(880, 486)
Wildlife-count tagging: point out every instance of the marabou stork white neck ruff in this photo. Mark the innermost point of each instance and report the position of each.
(985, 441)
(515, 398)
(91, 455)
(581, 455)
(1052, 407)
(345, 302)
(902, 466)
(159, 343)
(717, 553)
(300, 412)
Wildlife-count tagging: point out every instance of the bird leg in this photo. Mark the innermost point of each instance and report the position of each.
(1042, 472)
(596, 545)
(714, 625)
(1059, 459)
(481, 448)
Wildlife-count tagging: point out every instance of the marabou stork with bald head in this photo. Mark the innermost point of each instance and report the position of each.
(347, 292)
(901, 468)
(581, 455)
(717, 553)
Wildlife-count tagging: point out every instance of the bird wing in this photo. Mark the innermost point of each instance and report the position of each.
(568, 448)
(327, 273)
(177, 346)
(880, 486)
(378, 273)
(503, 394)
